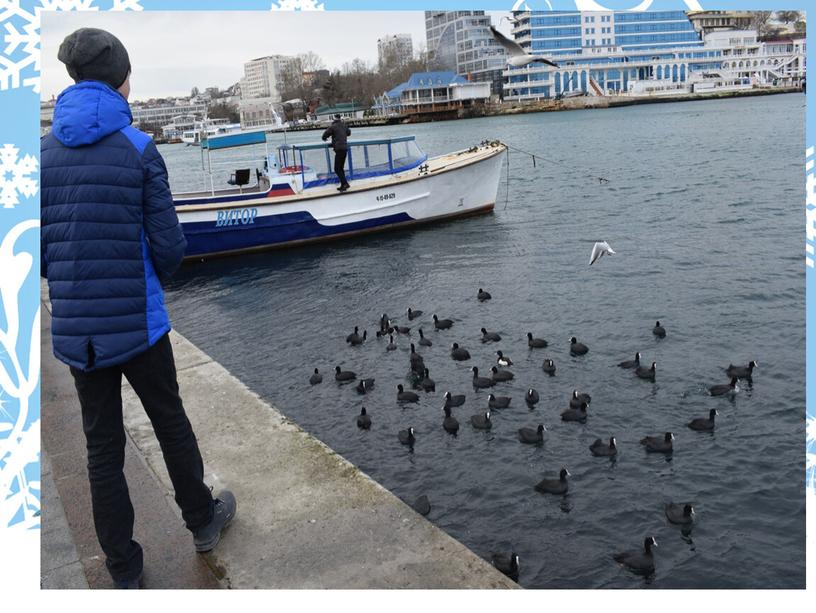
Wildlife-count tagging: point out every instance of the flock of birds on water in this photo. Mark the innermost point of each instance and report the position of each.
(640, 561)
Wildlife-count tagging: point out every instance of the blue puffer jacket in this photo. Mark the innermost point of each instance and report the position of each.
(109, 230)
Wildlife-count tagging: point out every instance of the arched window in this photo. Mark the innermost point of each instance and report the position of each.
(659, 72)
(683, 72)
(674, 73)
(557, 83)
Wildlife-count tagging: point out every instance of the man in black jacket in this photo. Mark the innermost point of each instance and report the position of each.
(338, 132)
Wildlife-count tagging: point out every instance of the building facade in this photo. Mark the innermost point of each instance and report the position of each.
(780, 61)
(262, 88)
(713, 21)
(603, 52)
(461, 41)
(394, 50)
(264, 76)
(163, 114)
(431, 93)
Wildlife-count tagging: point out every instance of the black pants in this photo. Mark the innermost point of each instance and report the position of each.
(339, 162)
(152, 375)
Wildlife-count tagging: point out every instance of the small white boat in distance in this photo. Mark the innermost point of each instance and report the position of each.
(292, 197)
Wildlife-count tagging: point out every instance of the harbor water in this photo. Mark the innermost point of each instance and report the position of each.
(703, 207)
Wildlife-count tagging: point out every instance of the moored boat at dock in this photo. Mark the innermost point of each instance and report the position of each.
(291, 198)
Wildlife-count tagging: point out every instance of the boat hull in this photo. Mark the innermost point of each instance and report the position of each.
(461, 188)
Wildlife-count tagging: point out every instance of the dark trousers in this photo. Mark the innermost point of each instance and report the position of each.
(339, 162)
(152, 375)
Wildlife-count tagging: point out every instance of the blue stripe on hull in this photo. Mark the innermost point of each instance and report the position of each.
(204, 237)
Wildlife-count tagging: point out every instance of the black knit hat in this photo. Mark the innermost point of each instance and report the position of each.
(90, 53)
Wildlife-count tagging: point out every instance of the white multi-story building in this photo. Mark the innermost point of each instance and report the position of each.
(650, 52)
(261, 89)
(263, 77)
(163, 114)
(395, 50)
(781, 60)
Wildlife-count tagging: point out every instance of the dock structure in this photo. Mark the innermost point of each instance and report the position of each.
(307, 518)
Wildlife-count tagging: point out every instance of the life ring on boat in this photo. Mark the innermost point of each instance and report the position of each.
(286, 170)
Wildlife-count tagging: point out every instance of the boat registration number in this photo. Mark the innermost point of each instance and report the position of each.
(235, 217)
(389, 196)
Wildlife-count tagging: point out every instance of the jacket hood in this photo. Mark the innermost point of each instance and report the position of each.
(89, 111)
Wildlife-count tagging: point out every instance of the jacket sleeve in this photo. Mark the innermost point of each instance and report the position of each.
(161, 225)
(348, 131)
(326, 134)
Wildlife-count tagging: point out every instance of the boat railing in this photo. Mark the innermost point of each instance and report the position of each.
(364, 159)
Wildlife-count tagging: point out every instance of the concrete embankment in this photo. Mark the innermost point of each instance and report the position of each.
(306, 518)
(586, 102)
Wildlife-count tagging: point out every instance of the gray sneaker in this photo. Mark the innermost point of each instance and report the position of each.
(207, 537)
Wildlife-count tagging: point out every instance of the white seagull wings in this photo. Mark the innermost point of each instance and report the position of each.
(518, 56)
(599, 250)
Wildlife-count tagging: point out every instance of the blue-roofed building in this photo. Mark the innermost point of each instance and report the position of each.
(431, 92)
(603, 52)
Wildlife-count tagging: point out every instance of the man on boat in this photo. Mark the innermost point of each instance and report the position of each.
(338, 132)
(109, 233)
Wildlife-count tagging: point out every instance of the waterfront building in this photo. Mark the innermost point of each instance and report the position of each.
(624, 52)
(346, 110)
(161, 114)
(259, 112)
(461, 42)
(394, 50)
(779, 60)
(431, 93)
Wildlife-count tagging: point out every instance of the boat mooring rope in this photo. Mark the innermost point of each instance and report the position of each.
(507, 181)
(601, 180)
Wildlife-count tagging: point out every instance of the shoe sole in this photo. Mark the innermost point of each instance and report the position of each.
(212, 543)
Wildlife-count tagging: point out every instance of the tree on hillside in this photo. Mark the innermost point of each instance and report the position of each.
(787, 17)
(760, 21)
(800, 26)
(222, 110)
(294, 85)
(311, 61)
(330, 92)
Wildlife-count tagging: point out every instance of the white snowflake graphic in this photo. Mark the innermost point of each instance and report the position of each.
(19, 425)
(20, 58)
(14, 179)
(811, 454)
(127, 5)
(297, 5)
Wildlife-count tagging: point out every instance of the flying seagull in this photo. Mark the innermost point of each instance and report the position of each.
(512, 20)
(598, 251)
(518, 57)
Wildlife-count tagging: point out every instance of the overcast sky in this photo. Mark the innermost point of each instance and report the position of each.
(171, 52)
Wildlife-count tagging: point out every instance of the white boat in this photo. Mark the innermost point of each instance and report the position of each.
(208, 128)
(293, 199)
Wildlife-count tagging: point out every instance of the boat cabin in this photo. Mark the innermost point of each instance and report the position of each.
(296, 167)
